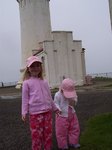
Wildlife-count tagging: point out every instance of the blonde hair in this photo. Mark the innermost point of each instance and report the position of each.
(27, 74)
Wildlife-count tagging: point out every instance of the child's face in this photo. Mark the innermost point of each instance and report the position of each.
(35, 69)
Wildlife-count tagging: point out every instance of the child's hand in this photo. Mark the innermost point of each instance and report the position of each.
(72, 102)
(58, 112)
(24, 118)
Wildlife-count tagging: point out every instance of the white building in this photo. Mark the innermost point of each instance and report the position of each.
(110, 8)
(61, 55)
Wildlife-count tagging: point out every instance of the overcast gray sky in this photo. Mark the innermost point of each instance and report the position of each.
(88, 19)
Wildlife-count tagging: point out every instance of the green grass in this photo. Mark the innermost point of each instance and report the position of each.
(98, 133)
(102, 79)
(110, 85)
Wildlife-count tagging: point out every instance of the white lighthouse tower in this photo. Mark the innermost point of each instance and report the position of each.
(110, 8)
(61, 55)
(35, 25)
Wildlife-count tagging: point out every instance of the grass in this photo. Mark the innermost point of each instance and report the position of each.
(98, 133)
(110, 85)
(102, 79)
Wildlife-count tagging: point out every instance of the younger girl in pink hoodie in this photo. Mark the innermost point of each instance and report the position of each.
(67, 125)
(38, 103)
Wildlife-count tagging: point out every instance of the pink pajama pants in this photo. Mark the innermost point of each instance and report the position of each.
(41, 131)
(67, 130)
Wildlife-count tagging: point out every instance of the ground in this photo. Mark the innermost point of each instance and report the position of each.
(15, 135)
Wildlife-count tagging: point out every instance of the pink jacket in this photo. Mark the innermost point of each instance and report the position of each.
(36, 97)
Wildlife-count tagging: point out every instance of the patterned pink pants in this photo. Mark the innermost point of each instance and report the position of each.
(41, 131)
(67, 130)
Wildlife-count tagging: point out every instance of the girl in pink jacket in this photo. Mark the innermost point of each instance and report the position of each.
(67, 125)
(38, 103)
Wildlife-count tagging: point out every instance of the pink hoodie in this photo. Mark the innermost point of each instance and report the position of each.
(36, 97)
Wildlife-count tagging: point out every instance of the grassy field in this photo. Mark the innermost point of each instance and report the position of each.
(98, 133)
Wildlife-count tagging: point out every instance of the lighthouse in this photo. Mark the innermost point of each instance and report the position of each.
(62, 56)
(35, 26)
(110, 8)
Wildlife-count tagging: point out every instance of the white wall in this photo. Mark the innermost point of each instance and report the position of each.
(64, 59)
(35, 25)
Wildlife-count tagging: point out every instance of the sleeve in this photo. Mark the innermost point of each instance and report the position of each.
(52, 102)
(57, 101)
(25, 98)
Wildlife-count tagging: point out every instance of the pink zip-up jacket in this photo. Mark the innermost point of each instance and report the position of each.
(36, 97)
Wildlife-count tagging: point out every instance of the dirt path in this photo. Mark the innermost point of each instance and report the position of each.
(92, 103)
